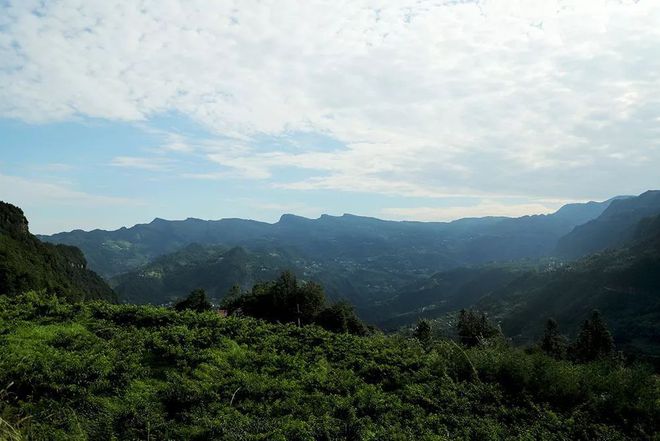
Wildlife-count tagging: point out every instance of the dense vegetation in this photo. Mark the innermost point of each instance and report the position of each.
(102, 371)
(29, 264)
(289, 365)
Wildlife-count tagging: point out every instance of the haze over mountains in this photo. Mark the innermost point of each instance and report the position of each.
(378, 256)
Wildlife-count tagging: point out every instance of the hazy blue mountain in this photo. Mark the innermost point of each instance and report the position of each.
(27, 264)
(349, 241)
(613, 228)
(580, 213)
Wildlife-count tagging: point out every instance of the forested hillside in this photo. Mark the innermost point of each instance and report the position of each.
(613, 228)
(444, 292)
(29, 264)
(215, 269)
(623, 284)
(289, 364)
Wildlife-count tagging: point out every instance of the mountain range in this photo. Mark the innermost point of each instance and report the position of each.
(603, 255)
(359, 258)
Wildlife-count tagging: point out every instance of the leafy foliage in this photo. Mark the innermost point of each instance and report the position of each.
(102, 371)
(340, 317)
(423, 332)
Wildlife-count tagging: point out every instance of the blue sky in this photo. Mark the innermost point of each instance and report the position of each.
(114, 113)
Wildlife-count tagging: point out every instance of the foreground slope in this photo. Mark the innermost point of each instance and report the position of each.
(101, 371)
(26, 263)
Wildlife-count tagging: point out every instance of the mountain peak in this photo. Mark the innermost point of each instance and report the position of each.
(291, 218)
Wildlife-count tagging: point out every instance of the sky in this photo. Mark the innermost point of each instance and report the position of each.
(113, 113)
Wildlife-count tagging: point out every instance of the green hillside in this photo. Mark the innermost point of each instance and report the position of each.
(29, 264)
(623, 284)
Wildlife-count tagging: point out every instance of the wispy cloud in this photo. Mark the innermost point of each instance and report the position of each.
(426, 98)
(143, 163)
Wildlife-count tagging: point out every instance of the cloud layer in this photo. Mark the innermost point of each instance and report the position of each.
(484, 99)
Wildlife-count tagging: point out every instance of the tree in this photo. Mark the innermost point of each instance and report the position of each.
(340, 317)
(286, 300)
(474, 328)
(196, 301)
(594, 340)
(553, 343)
(422, 332)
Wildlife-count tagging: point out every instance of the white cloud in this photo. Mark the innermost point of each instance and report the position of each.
(430, 98)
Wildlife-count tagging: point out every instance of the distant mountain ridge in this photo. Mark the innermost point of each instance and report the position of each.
(363, 259)
(427, 246)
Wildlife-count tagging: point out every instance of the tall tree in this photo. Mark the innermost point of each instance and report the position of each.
(594, 340)
(474, 328)
(423, 332)
(553, 343)
(340, 317)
